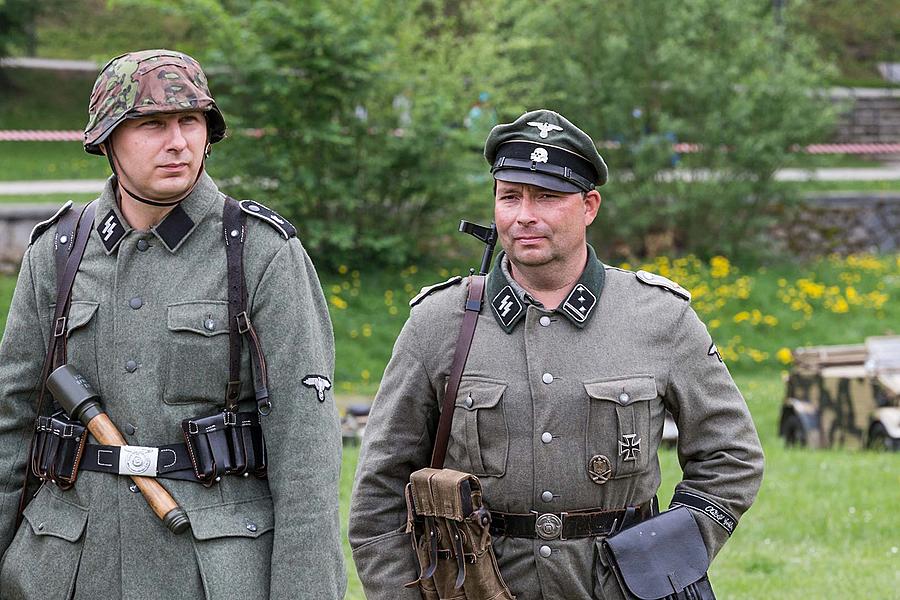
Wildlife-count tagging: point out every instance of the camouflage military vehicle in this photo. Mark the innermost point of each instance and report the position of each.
(845, 396)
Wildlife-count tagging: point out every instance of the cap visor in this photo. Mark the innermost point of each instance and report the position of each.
(539, 179)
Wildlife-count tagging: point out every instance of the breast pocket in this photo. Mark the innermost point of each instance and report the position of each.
(197, 352)
(619, 422)
(81, 338)
(479, 438)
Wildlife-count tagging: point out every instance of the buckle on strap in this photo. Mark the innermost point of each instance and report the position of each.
(138, 460)
(59, 329)
(549, 526)
(243, 322)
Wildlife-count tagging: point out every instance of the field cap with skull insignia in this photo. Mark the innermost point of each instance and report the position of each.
(545, 149)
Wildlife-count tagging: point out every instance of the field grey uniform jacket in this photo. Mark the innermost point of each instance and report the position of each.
(148, 297)
(588, 378)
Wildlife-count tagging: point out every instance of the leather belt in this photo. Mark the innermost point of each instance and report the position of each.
(171, 461)
(566, 525)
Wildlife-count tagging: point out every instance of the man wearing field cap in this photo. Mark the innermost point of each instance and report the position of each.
(201, 326)
(560, 407)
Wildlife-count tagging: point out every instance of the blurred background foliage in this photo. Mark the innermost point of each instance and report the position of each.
(363, 120)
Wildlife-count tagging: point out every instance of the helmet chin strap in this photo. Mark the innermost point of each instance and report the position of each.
(167, 202)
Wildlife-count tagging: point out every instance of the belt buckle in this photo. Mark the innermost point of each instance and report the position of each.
(138, 460)
(549, 526)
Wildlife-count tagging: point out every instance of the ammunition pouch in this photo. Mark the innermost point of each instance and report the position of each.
(663, 557)
(227, 443)
(57, 449)
(450, 529)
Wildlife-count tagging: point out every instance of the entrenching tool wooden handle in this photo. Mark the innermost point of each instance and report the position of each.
(156, 495)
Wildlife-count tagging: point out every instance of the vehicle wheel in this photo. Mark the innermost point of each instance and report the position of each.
(879, 439)
(794, 433)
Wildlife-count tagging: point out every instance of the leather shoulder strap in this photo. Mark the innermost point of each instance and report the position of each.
(234, 218)
(474, 302)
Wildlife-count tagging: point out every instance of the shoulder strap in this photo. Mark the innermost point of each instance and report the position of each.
(68, 258)
(239, 325)
(69, 253)
(463, 344)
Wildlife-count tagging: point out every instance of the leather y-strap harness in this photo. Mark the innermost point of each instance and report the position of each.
(239, 323)
(474, 302)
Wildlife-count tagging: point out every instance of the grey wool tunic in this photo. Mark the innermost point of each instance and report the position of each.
(543, 393)
(149, 330)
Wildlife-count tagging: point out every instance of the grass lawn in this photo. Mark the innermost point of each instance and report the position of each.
(26, 161)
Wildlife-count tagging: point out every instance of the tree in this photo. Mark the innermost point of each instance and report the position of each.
(644, 73)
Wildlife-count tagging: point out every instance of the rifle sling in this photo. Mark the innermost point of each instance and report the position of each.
(463, 345)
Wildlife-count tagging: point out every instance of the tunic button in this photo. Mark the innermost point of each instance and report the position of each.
(63, 240)
(547, 496)
(469, 402)
(130, 429)
(547, 378)
(546, 437)
(545, 321)
(130, 366)
(136, 302)
(134, 488)
(251, 527)
(209, 324)
(40, 526)
(545, 551)
(624, 397)
(143, 245)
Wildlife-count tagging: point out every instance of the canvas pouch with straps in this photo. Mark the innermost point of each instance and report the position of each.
(447, 518)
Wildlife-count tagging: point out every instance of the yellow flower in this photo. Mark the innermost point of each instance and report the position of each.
(393, 310)
(715, 323)
(342, 269)
(336, 288)
(719, 267)
(338, 302)
(785, 356)
(367, 330)
(365, 374)
(840, 306)
(741, 316)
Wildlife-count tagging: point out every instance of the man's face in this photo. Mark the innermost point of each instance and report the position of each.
(538, 226)
(159, 156)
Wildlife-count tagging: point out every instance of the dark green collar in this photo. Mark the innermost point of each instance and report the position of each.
(578, 306)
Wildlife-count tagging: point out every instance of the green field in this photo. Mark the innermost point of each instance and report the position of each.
(823, 525)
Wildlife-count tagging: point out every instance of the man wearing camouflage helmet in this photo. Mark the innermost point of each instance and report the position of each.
(185, 302)
(561, 404)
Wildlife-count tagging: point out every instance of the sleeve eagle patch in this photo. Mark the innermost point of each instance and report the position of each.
(320, 383)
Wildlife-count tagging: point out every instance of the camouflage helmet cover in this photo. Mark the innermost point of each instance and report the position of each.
(144, 83)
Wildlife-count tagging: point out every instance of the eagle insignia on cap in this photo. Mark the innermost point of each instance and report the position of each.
(540, 155)
(545, 128)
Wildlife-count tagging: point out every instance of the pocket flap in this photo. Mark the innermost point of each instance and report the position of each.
(479, 393)
(207, 318)
(80, 314)
(49, 515)
(250, 518)
(623, 390)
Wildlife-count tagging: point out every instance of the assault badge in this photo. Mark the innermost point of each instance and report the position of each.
(545, 128)
(318, 383)
(600, 469)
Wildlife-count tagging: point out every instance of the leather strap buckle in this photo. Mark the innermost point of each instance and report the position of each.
(243, 322)
(59, 329)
